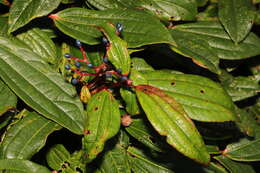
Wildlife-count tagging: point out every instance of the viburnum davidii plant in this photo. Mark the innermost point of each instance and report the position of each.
(129, 86)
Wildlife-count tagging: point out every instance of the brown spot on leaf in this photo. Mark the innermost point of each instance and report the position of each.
(202, 91)
(95, 109)
(86, 132)
(173, 83)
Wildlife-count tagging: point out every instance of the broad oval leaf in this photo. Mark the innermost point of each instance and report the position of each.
(140, 64)
(26, 137)
(164, 9)
(4, 26)
(40, 43)
(233, 166)
(217, 40)
(141, 163)
(197, 49)
(140, 28)
(242, 87)
(22, 12)
(201, 98)
(57, 156)
(142, 133)
(170, 120)
(130, 100)
(115, 161)
(38, 85)
(103, 122)
(245, 149)
(8, 99)
(237, 17)
(59, 159)
(117, 52)
(22, 166)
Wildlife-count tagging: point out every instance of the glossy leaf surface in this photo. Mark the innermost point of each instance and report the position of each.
(8, 99)
(57, 156)
(117, 52)
(237, 16)
(40, 43)
(233, 166)
(22, 166)
(115, 161)
(33, 80)
(140, 28)
(170, 120)
(22, 12)
(140, 131)
(165, 9)
(245, 149)
(103, 122)
(130, 100)
(196, 94)
(241, 87)
(214, 39)
(27, 136)
(141, 163)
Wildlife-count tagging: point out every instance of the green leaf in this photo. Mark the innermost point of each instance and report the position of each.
(241, 87)
(170, 120)
(38, 85)
(234, 167)
(213, 149)
(139, 64)
(196, 94)
(4, 26)
(22, 12)
(214, 168)
(130, 100)
(103, 122)
(8, 99)
(57, 156)
(40, 43)
(237, 17)
(59, 159)
(115, 161)
(196, 48)
(140, 28)
(201, 2)
(26, 137)
(245, 149)
(164, 9)
(22, 166)
(217, 40)
(142, 164)
(246, 123)
(142, 133)
(117, 49)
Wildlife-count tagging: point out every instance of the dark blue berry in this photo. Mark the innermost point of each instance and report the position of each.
(74, 81)
(90, 65)
(78, 43)
(66, 55)
(123, 78)
(105, 60)
(105, 40)
(119, 27)
(67, 66)
(119, 70)
(77, 64)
